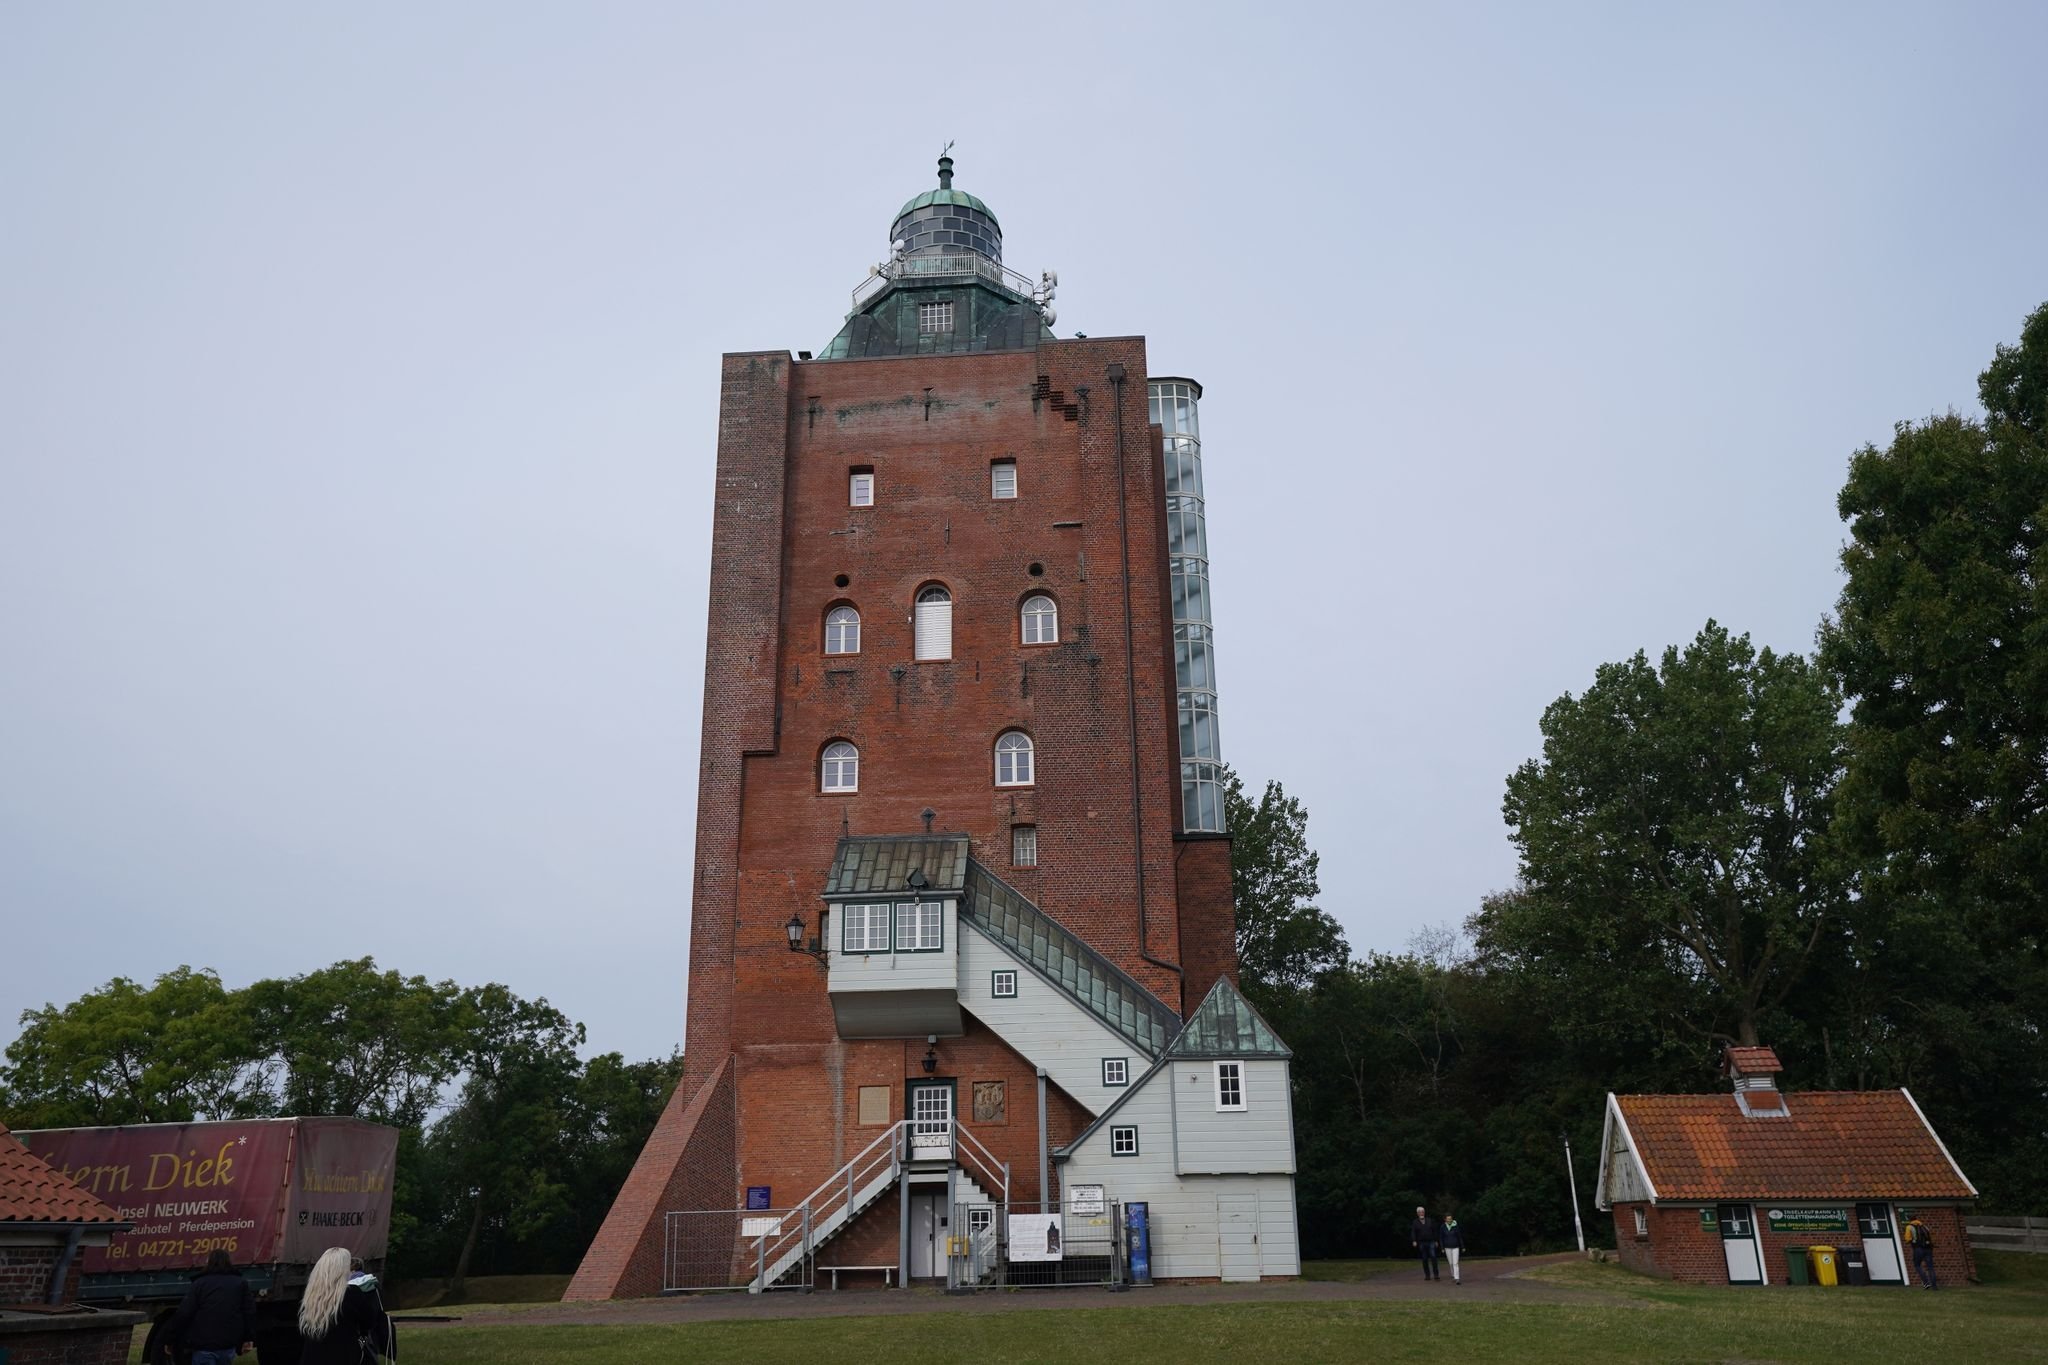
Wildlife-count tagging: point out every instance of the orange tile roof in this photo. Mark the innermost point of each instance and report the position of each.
(1753, 1061)
(33, 1191)
(1834, 1144)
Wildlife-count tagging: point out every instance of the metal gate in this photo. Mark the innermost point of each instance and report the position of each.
(736, 1248)
(1043, 1250)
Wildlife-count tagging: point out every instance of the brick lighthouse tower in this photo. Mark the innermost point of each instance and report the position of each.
(961, 883)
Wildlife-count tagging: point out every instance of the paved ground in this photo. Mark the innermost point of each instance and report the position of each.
(1485, 1281)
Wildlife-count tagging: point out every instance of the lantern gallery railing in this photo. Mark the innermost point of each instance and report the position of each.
(968, 265)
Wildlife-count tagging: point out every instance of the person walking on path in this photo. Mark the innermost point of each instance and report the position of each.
(1423, 1235)
(342, 1320)
(1922, 1242)
(217, 1320)
(1453, 1239)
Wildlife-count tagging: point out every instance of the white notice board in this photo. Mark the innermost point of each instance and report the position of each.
(1034, 1237)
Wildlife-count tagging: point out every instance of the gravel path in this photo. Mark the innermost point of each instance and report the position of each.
(1493, 1280)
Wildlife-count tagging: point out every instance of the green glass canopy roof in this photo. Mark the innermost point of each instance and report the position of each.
(1226, 1025)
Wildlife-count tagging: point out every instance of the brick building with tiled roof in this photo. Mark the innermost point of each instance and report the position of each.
(1720, 1188)
(46, 1218)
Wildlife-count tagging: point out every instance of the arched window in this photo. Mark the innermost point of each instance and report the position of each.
(1013, 759)
(1041, 620)
(839, 767)
(934, 628)
(842, 631)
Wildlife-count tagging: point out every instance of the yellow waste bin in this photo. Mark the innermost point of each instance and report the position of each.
(1821, 1262)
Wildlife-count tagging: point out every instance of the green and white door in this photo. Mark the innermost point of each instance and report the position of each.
(1738, 1244)
(1880, 1234)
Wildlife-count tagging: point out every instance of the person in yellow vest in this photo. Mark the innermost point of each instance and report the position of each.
(1922, 1242)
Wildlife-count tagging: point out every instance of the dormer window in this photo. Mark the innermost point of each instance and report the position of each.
(933, 318)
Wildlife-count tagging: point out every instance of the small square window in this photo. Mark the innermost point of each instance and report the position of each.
(1023, 846)
(1002, 479)
(1229, 1085)
(1116, 1071)
(981, 1217)
(935, 317)
(1003, 985)
(1123, 1140)
(860, 489)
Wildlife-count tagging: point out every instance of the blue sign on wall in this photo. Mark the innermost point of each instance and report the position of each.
(757, 1197)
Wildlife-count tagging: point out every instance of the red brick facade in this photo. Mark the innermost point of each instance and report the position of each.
(87, 1338)
(1099, 705)
(1678, 1246)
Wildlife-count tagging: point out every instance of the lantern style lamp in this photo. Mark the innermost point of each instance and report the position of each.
(794, 932)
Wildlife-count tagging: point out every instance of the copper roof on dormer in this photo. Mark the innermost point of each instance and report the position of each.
(34, 1191)
(869, 865)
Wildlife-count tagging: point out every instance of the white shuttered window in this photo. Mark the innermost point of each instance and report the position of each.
(934, 626)
(866, 928)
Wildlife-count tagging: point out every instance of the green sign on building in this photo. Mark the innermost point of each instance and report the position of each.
(1823, 1218)
(1708, 1222)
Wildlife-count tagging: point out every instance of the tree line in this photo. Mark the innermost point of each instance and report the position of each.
(511, 1147)
(1842, 854)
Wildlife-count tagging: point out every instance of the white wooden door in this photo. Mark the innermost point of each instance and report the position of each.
(924, 1235)
(1880, 1243)
(1738, 1244)
(931, 1120)
(1237, 1234)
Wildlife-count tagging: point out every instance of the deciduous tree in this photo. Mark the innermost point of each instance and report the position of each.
(1674, 831)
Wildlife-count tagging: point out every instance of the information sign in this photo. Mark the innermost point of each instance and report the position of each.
(1808, 1218)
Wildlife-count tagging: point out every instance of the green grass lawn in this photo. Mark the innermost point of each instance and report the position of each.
(1622, 1317)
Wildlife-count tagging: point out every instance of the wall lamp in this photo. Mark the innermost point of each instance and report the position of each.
(794, 932)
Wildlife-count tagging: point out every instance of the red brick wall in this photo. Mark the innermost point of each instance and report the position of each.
(25, 1273)
(687, 1164)
(1208, 913)
(96, 1345)
(1679, 1248)
(741, 661)
(800, 1106)
(1108, 863)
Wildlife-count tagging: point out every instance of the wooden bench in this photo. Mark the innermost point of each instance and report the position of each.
(888, 1272)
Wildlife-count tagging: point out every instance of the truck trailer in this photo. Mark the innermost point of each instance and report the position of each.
(272, 1193)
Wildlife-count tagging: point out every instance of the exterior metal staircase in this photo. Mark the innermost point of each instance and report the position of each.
(851, 1190)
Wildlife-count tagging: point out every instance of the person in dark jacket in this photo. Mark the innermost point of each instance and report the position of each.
(1453, 1238)
(1424, 1235)
(342, 1319)
(217, 1320)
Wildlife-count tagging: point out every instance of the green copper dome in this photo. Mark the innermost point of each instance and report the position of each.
(960, 197)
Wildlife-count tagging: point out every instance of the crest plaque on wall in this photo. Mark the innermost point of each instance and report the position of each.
(990, 1103)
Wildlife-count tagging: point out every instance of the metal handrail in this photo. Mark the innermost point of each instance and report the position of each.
(997, 1172)
(941, 266)
(841, 1186)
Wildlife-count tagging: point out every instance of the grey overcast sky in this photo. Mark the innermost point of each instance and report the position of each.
(358, 384)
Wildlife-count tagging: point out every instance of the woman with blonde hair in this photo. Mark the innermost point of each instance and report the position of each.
(342, 1319)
